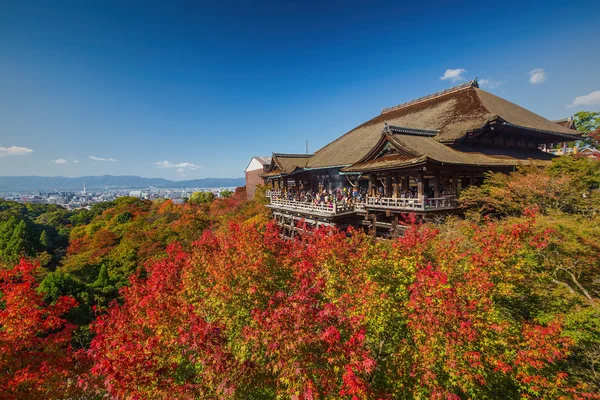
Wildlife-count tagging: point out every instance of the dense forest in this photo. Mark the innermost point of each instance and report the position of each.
(136, 299)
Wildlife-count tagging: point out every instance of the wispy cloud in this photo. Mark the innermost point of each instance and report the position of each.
(537, 76)
(587, 99)
(454, 75)
(14, 151)
(60, 161)
(76, 161)
(180, 166)
(490, 83)
(102, 159)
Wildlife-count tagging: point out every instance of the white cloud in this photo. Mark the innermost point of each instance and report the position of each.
(180, 170)
(490, 83)
(537, 76)
(60, 161)
(183, 166)
(76, 161)
(101, 159)
(14, 151)
(587, 100)
(454, 75)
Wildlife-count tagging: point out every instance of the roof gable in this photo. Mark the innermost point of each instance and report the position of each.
(412, 149)
(286, 163)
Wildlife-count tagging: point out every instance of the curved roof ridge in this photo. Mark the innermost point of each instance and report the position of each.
(409, 131)
(293, 155)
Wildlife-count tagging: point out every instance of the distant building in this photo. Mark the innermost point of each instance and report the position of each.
(256, 167)
(568, 123)
(562, 148)
(589, 152)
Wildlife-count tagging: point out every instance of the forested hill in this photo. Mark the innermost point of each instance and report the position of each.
(23, 183)
(205, 300)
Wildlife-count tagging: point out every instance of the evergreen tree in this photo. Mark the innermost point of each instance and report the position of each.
(44, 240)
(18, 245)
(103, 279)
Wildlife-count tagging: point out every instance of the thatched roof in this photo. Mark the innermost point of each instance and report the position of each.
(451, 113)
(568, 123)
(286, 163)
(416, 148)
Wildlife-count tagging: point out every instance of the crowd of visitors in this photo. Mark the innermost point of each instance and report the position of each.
(346, 195)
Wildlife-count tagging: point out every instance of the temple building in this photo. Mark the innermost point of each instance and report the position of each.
(413, 157)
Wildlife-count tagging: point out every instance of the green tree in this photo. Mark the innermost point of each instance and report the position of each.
(124, 217)
(588, 122)
(57, 284)
(18, 245)
(44, 240)
(201, 197)
(103, 289)
(226, 193)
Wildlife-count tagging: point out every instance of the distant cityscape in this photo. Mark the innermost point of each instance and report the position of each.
(86, 198)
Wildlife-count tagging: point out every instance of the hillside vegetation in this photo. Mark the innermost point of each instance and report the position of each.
(153, 300)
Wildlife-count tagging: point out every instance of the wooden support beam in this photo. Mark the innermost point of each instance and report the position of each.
(455, 184)
(436, 185)
(374, 226)
(420, 186)
(388, 185)
(371, 181)
(395, 193)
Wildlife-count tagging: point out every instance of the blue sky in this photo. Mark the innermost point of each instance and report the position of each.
(182, 90)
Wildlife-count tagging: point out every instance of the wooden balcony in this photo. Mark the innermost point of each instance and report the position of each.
(410, 205)
(327, 210)
(372, 203)
(272, 193)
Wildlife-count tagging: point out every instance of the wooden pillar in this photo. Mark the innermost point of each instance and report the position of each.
(293, 233)
(388, 185)
(371, 181)
(420, 186)
(436, 185)
(455, 184)
(374, 226)
(406, 183)
(395, 193)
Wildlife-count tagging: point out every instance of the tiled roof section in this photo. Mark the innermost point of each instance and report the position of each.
(519, 116)
(568, 123)
(287, 163)
(465, 85)
(427, 148)
(410, 131)
(452, 113)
